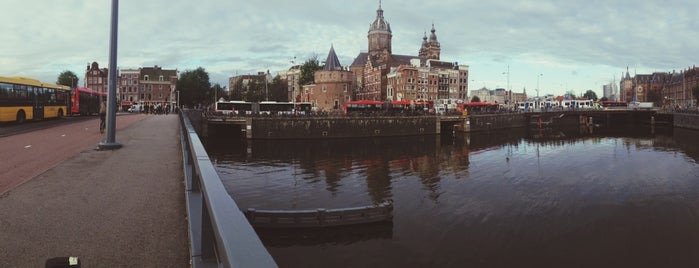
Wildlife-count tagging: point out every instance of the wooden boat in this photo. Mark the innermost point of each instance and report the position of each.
(320, 217)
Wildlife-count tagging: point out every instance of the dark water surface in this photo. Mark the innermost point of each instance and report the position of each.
(517, 198)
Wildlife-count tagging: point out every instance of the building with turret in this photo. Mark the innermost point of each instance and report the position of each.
(332, 86)
(421, 77)
(671, 89)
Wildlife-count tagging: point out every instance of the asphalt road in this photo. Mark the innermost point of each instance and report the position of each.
(32, 148)
(110, 208)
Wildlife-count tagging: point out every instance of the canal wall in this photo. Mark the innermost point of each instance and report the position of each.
(341, 127)
(690, 121)
(196, 118)
(476, 123)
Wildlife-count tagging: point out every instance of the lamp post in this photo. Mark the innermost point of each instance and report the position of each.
(537, 84)
(508, 77)
(111, 143)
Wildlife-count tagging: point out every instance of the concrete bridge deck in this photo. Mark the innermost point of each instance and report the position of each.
(122, 208)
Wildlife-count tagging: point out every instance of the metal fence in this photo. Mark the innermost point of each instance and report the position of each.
(219, 233)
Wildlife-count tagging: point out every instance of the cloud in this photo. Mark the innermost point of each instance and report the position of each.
(585, 38)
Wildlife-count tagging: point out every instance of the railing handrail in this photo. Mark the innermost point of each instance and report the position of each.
(220, 234)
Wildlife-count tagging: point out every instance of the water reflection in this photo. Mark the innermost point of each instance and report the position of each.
(282, 238)
(523, 197)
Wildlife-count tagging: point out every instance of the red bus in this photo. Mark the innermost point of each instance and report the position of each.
(363, 107)
(85, 101)
(412, 105)
(610, 105)
(479, 107)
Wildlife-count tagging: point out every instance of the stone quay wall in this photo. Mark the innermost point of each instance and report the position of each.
(689, 121)
(495, 121)
(341, 127)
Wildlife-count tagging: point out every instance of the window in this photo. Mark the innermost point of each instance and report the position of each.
(146, 78)
(160, 78)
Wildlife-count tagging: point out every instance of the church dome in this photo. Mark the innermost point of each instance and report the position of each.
(379, 24)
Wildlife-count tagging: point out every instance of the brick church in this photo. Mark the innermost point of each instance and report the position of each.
(378, 74)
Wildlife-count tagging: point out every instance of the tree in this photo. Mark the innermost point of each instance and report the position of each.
(604, 99)
(475, 99)
(195, 88)
(278, 90)
(237, 90)
(695, 92)
(67, 78)
(255, 91)
(219, 92)
(571, 95)
(308, 69)
(590, 95)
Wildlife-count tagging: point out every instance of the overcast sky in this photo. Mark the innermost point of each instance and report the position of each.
(555, 45)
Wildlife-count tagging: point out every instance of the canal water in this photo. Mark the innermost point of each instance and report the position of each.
(625, 197)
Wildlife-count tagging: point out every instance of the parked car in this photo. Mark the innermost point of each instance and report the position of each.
(135, 109)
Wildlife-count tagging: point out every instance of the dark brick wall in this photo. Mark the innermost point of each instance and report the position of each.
(496, 121)
(341, 127)
(690, 121)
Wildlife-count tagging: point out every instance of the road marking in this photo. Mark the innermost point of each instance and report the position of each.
(28, 146)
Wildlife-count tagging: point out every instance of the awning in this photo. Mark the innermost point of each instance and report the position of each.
(126, 103)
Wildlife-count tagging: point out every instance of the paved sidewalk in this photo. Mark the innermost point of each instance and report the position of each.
(121, 208)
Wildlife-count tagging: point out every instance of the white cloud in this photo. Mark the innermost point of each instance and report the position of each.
(595, 39)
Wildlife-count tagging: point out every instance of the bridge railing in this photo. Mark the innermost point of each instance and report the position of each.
(219, 233)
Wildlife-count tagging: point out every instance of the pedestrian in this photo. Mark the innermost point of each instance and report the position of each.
(103, 115)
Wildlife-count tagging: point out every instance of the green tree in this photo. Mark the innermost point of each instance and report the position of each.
(590, 95)
(195, 88)
(308, 69)
(238, 90)
(219, 92)
(278, 90)
(571, 95)
(255, 91)
(67, 78)
(695, 92)
(475, 99)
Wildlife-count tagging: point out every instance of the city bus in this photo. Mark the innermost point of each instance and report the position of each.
(479, 107)
(23, 98)
(85, 101)
(363, 107)
(234, 107)
(276, 108)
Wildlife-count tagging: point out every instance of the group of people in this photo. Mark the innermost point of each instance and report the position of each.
(155, 109)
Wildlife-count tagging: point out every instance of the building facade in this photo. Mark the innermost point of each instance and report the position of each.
(96, 77)
(670, 89)
(332, 86)
(148, 85)
(381, 75)
(157, 86)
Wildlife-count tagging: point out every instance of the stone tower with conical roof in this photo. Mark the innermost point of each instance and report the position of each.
(379, 36)
(430, 48)
(332, 63)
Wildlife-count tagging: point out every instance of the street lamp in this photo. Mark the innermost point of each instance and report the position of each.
(537, 84)
(508, 77)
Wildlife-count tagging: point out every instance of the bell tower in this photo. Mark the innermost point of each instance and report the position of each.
(379, 35)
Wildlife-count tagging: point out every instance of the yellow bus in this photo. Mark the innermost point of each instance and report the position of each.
(23, 98)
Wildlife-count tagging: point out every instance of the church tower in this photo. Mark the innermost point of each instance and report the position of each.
(430, 48)
(379, 36)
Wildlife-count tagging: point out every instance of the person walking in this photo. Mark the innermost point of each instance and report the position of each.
(103, 115)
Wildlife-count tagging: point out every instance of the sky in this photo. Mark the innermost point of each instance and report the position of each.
(553, 46)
